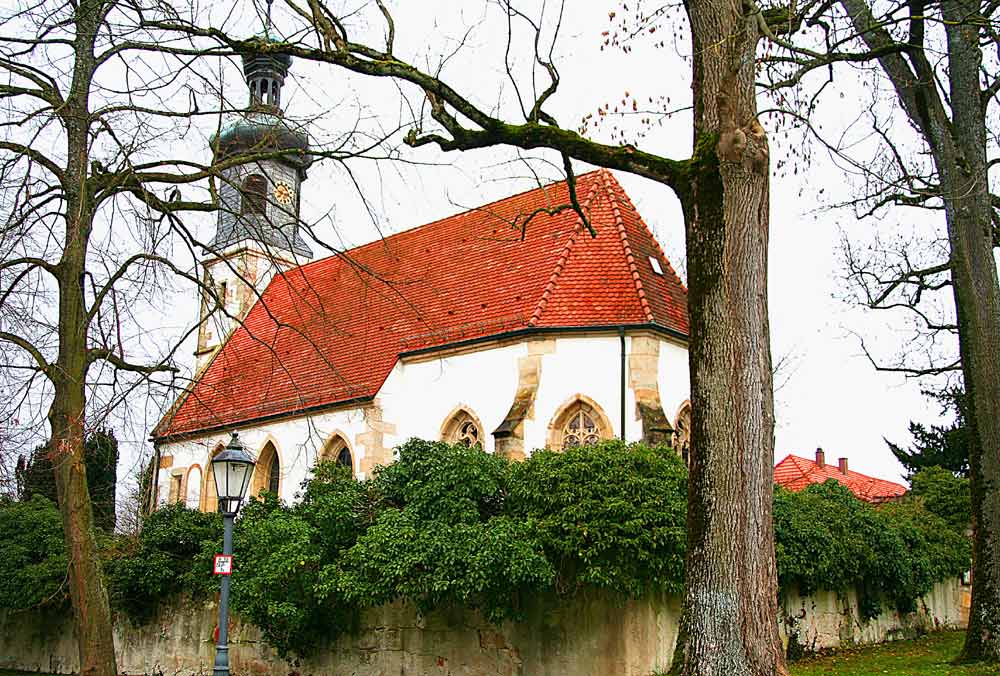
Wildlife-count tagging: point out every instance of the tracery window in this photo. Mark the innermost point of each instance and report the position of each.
(581, 426)
(254, 195)
(463, 428)
(682, 434)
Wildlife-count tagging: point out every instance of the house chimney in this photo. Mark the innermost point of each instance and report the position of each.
(820, 458)
(843, 465)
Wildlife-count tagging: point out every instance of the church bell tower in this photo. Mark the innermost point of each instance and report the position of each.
(257, 233)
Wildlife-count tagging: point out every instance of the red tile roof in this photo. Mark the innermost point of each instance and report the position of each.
(795, 473)
(332, 330)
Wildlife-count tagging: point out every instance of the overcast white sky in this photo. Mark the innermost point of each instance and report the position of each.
(831, 396)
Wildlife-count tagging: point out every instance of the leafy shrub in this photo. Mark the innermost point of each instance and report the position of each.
(440, 536)
(826, 538)
(167, 557)
(437, 481)
(449, 525)
(32, 555)
(610, 516)
(281, 551)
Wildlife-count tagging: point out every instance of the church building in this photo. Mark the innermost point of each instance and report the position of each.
(510, 327)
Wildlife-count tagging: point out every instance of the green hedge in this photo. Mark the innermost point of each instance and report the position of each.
(448, 525)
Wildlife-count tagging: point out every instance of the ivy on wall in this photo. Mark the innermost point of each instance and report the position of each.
(448, 525)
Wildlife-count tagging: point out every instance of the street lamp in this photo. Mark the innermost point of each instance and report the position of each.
(231, 469)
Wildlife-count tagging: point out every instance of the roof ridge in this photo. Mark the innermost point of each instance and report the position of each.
(803, 472)
(550, 286)
(626, 247)
(656, 242)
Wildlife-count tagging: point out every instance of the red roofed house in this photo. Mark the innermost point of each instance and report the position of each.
(795, 473)
(468, 329)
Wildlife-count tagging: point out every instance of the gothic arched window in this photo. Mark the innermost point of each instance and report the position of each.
(267, 473)
(580, 424)
(193, 489)
(254, 195)
(274, 476)
(209, 498)
(682, 433)
(337, 450)
(463, 428)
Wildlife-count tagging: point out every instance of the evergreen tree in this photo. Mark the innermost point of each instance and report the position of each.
(35, 476)
(945, 446)
(101, 458)
(944, 494)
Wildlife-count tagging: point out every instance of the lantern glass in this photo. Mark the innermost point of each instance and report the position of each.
(232, 469)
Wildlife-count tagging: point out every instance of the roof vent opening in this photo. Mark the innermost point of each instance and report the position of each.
(655, 264)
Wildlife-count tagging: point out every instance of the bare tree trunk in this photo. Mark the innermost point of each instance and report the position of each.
(729, 621)
(962, 167)
(91, 611)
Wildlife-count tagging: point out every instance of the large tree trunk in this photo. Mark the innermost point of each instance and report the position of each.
(92, 615)
(729, 621)
(67, 414)
(958, 147)
(963, 172)
(91, 612)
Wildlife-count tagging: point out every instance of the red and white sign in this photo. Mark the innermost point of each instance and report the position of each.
(223, 564)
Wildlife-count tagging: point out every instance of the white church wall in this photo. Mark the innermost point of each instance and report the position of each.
(298, 442)
(421, 394)
(588, 366)
(673, 378)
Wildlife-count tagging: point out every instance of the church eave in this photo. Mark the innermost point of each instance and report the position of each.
(188, 435)
(527, 332)
(533, 331)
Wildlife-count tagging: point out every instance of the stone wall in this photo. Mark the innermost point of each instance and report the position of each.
(593, 634)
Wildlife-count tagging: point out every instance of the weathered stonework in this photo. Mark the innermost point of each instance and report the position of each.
(373, 439)
(509, 435)
(592, 634)
(643, 369)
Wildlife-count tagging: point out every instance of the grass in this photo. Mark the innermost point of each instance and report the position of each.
(927, 656)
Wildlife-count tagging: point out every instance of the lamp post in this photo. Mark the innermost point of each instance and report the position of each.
(231, 470)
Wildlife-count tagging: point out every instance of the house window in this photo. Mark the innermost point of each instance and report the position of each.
(463, 428)
(581, 428)
(579, 424)
(338, 451)
(682, 434)
(254, 195)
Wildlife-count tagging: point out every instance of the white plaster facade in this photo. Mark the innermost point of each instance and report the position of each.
(422, 392)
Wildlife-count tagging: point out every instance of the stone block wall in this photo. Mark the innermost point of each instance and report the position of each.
(593, 634)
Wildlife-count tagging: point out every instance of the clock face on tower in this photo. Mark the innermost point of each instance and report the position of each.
(283, 193)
